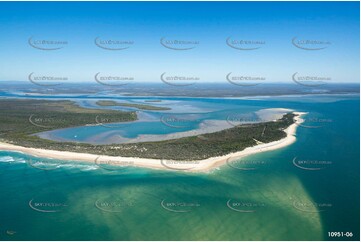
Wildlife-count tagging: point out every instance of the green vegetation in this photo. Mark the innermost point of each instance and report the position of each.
(218, 143)
(21, 118)
(132, 105)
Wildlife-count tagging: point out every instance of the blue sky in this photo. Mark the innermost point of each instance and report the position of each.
(275, 23)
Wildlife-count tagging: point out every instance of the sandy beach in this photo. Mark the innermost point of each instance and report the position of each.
(189, 166)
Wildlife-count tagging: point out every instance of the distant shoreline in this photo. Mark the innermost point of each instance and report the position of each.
(205, 165)
(159, 90)
(79, 95)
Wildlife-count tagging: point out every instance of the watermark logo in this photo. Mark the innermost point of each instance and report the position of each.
(311, 207)
(179, 165)
(178, 80)
(10, 232)
(113, 80)
(114, 205)
(47, 205)
(112, 120)
(179, 206)
(176, 44)
(310, 81)
(44, 44)
(46, 80)
(244, 207)
(111, 44)
(242, 44)
(112, 164)
(236, 119)
(312, 122)
(307, 44)
(44, 120)
(311, 165)
(244, 165)
(244, 80)
(180, 121)
(202, 137)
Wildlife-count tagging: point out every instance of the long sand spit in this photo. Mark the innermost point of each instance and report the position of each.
(205, 165)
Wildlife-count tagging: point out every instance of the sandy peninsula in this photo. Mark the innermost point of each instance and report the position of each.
(205, 165)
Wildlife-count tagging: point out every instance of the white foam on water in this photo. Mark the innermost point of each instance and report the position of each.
(6, 159)
(90, 168)
(65, 165)
(10, 159)
(20, 160)
(82, 167)
(49, 164)
(41, 163)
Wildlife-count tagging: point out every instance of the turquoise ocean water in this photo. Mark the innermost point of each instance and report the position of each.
(276, 200)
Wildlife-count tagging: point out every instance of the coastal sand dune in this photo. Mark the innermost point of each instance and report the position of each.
(189, 166)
